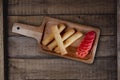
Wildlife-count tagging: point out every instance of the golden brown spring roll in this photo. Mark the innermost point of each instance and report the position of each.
(58, 39)
(70, 40)
(66, 35)
(50, 37)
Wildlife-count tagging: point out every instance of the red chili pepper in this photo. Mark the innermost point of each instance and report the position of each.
(86, 44)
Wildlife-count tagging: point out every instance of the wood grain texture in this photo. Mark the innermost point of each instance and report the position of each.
(38, 69)
(98, 13)
(1, 43)
(118, 38)
(37, 7)
(107, 23)
(24, 47)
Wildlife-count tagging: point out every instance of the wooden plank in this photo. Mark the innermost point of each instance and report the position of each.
(118, 38)
(37, 7)
(1, 43)
(38, 69)
(107, 23)
(0, 9)
(24, 47)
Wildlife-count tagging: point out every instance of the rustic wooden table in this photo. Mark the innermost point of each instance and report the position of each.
(26, 63)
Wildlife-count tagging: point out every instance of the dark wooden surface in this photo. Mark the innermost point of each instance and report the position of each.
(26, 63)
(37, 7)
(118, 38)
(32, 69)
(1, 43)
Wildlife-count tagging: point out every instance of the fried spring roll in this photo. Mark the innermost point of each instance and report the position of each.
(69, 41)
(50, 37)
(59, 40)
(66, 35)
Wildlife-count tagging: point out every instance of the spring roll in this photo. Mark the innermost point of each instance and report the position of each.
(50, 37)
(66, 35)
(59, 40)
(69, 41)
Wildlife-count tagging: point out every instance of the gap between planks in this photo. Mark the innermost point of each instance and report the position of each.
(1, 42)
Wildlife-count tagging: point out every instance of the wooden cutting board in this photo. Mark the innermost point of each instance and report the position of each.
(43, 30)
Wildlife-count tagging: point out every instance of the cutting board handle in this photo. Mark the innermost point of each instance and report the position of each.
(27, 30)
